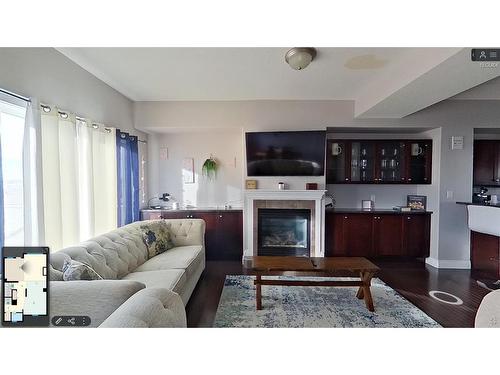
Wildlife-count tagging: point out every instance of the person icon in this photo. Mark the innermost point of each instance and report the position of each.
(482, 55)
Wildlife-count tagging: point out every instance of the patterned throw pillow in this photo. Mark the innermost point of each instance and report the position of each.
(74, 270)
(156, 237)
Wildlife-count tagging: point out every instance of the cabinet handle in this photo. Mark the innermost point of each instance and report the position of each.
(345, 217)
(408, 218)
(492, 259)
(347, 179)
(409, 179)
(220, 216)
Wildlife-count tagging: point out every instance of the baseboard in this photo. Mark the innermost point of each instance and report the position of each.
(450, 264)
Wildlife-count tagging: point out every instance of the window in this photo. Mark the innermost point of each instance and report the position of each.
(12, 118)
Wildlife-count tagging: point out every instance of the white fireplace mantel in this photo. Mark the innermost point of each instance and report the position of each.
(292, 195)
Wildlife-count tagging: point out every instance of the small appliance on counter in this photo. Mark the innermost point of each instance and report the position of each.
(165, 197)
(367, 205)
(482, 197)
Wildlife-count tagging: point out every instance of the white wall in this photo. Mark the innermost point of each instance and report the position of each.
(450, 246)
(49, 76)
(226, 146)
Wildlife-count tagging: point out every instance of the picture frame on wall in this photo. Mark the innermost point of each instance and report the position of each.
(417, 202)
(188, 170)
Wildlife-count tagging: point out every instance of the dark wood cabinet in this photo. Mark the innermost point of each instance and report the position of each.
(486, 163)
(416, 235)
(223, 230)
(379, 161)
(387, 235)
(485, 256)
(373, 234)
(357, 235)
(229, 236)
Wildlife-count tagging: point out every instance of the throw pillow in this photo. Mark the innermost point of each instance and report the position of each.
(156, 237)
(55, 275)
(74, 270)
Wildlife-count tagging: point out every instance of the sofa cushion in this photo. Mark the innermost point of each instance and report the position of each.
(169, 279)
(182, 257)
(156, 237)
(74, 270)
(96, 299)
(186, 232)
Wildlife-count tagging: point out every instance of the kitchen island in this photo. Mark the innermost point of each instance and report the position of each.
(484, 223)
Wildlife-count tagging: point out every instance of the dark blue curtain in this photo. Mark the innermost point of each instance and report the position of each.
(2, 227)
(127, 153)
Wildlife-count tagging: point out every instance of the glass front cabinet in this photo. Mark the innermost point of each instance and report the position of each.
(379, 161)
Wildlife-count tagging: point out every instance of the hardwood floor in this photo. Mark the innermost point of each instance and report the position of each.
(412, 279)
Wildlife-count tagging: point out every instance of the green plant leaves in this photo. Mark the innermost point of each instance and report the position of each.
(209, 168)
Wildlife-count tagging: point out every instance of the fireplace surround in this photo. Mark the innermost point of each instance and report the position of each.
(311, 200)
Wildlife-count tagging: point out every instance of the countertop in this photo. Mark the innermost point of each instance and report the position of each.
(341, 210)
(198, 209)
(479, 204)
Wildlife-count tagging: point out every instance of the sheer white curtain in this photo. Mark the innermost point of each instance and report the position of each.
(79, 178)
(32, 177)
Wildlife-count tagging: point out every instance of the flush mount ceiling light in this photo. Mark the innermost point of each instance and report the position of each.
(300, 57)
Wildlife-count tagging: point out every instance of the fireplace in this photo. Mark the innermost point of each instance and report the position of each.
(284, 232)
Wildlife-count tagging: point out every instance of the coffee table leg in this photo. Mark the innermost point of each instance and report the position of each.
(360, 294)
(367, 277)
(258, 293)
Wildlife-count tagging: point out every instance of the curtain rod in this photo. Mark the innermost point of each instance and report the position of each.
(28, 100)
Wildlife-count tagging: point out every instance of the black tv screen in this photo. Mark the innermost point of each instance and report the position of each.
(296, 153)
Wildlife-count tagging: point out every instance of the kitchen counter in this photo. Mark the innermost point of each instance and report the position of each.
(197, 209)
(479, 204)
(341, 210)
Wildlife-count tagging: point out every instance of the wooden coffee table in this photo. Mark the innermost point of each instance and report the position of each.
(261, 266)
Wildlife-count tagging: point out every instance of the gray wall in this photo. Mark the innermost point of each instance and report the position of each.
(52, 78)
(452, 169)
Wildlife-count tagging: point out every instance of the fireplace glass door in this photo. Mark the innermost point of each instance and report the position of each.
(284, 232)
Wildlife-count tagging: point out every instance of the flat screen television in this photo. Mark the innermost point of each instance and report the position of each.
(294, 153)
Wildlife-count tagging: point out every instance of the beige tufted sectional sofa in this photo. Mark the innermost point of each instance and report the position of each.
(136, 291)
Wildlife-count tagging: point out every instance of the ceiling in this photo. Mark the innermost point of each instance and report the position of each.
(383, 82)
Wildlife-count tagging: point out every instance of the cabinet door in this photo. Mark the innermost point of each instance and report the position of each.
(485, 255)
(229, 236)
(419, 155)
(388, 235)
(336, 162)
(210, 218)
(486, 163)
(416, 230)
(391, 162)
(357, 234)
(363, 162)
(334, 241)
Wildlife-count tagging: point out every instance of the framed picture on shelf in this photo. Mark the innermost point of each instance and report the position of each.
(417, 202)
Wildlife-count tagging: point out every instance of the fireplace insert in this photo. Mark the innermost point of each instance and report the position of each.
(284, 232)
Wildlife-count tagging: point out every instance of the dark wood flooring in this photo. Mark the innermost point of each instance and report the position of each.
(412, 279)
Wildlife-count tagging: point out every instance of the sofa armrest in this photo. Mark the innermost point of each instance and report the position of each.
(151, 307)
(96, 299)
(488, 314)
(187, 232)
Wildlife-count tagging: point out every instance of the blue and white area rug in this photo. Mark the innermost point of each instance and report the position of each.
(297, 306)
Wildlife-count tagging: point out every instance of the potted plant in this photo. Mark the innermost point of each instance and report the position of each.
(209, 168)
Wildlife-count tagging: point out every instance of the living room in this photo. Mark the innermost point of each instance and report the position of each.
(249, 186)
